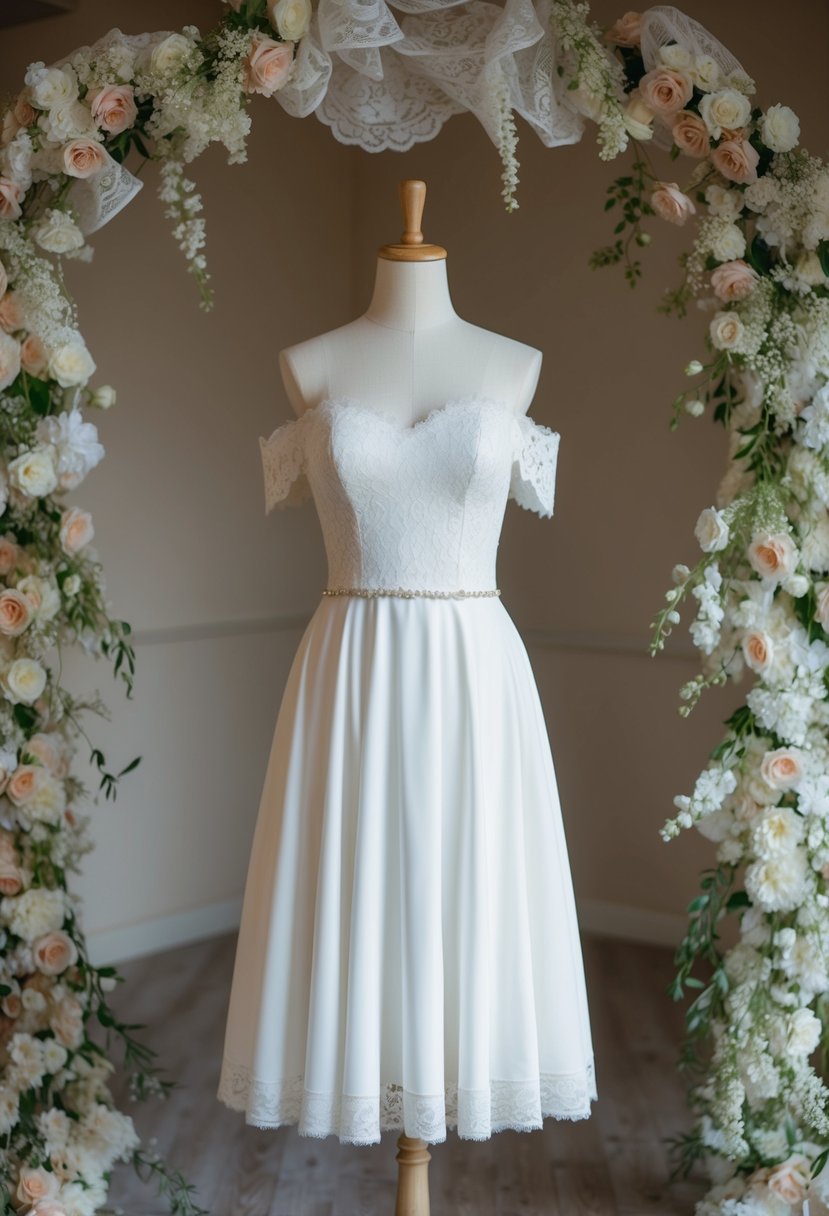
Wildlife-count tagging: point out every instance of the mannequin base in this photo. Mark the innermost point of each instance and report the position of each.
(413, 1159)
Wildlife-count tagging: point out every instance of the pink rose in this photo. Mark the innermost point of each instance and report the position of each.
(15, 613)
(23, 784)
(35, 1185)
(83, 157)
(33, 355)
(268, 64)
(666, 90)
(9, 554)
(691, 135)
(773, 557)
(790, 1180)
(781, 769)
(671, 204)
(627, 31)
(11, 313)
(758, 650)
(733, 280)
(12, 1005)
(24, 112)
(11, 879)
(114, 108)
(54, 952)
(736, 160)
(76, 530)
(10, 196)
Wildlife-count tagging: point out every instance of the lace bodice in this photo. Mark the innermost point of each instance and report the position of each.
(412, 507)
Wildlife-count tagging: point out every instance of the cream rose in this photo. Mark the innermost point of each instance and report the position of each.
(35, 1184)
(32, 355)
(67, 1022)
(23, 784)
(781, 769)
(11, 878)
(733, 280)
(268, 64)
(773, 556)
(9, 359)
(34, 473)
(666, 90)
(113, 107)
(711, 531)
(42, 594)
(11, 312)
(57, 232)
(758, 650)
(54, 952)
(736, 160)
(638, 117)
(726, 330)
(9, 554)
(15, 613)
(728, 244)
(627, 31)
(691, 135)
(726, 110)
(25, 681)
(76, 530)
(290, 18)
(83, 158)
(705, 73)
(169, 55)
(780, 129)
(671, 204)
(49, 87)
(71, 364)
(675, 57)
(11, 192)
(789, 1180)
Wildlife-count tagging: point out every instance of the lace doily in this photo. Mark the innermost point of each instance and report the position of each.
(477, 1114)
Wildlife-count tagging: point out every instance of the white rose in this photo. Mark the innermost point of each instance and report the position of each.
(726, 330)
(169, 55)
(780, 129)
(9, 359)
(67, 120)
(675, 56)
(17, 160)
(104, 398)
(727, 109)
(71, 364)
(809, 270)
(804, 1032)
(57, 232)
(24, 681)
(290, 18)
(705, 73)
(42, 594)
(711, 531)
(777, 884)
(728, 244)
(49, 87)
(34, 473)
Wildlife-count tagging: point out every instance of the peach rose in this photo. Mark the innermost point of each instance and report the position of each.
(627, 31)
(268, 64)
(781, 769)
(15, 613)
(33, 357)
(24, 111)
(54, 952)
(773, 556)
(23, 784)
(48, 750)
(11, 878)
(9, 554)
(83, 157)
(10, 195)
(12, 1005)
(733, 280)
(76, 530)
(691, 135)
(790, 1180)
(36, 1184)
(11, 313)
(736, 160)
(671, 204)
(666, 90)
(113, 108)
(758, 650)
(822, 605)
(67, 1022)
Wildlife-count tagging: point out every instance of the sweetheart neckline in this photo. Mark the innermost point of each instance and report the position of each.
(360, 407)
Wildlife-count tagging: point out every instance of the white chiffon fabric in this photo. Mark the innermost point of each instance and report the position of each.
(409, 957)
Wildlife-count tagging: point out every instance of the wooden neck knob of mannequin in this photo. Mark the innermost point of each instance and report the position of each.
(412, 247)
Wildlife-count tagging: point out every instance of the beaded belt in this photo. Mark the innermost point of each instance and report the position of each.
(370, 592)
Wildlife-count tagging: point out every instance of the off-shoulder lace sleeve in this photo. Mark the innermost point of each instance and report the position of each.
(535, 456)
(283, 466)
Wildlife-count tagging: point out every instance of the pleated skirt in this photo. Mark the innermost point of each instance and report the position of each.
(409, 956)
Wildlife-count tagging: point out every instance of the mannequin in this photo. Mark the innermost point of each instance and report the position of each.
(406, 356)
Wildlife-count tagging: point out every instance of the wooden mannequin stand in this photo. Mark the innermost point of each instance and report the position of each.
(413, 1156)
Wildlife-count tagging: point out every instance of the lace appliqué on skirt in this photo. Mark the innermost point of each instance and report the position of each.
(477, 1114)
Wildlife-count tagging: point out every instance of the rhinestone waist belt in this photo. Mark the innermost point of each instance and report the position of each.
(405, 593)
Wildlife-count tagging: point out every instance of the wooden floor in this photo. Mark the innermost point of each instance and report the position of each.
(613, 1164)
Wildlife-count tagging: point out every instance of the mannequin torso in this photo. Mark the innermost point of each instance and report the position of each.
(410, 352)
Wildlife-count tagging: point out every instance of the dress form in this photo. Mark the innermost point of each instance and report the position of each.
(407, 356)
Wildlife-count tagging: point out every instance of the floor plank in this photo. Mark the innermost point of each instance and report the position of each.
(613, 1164)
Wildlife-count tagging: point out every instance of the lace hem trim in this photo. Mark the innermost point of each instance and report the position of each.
(477, 1114)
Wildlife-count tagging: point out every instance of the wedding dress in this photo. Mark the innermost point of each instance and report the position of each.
(409, 953)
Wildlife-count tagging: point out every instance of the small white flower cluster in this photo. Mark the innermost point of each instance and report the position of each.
(594, 79)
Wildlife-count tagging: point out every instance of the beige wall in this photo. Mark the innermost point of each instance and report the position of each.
(218, 593)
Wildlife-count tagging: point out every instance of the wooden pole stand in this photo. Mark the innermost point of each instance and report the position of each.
(413, 1159)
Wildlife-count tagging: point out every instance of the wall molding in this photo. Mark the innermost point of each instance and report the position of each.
(159, 933)
(591, 641)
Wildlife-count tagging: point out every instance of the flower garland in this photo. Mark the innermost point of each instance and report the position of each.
(760, 595)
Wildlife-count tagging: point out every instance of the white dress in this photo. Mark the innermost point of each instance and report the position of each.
(409, 955)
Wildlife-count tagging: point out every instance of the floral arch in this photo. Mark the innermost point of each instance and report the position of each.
(386, 77)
